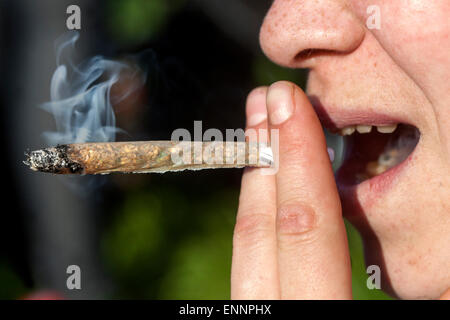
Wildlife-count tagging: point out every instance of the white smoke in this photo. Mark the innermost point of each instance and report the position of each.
(81, 96)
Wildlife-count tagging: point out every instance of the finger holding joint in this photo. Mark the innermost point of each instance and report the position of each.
(252, 229)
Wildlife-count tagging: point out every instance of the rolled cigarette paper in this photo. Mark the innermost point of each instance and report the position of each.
(148, 156)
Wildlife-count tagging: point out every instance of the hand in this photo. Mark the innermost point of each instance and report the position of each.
(289, 239)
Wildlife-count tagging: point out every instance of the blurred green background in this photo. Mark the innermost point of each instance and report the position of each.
(170, 236)
(153, 255)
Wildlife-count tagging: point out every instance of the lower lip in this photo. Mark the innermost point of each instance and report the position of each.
(356, 198)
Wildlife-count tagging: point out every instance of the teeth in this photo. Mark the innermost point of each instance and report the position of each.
(387, 129)
(347, 130)
(363, 128)
(374, 168)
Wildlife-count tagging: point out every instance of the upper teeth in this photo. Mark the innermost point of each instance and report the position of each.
(348, 130)
(366, 129)
(363, 128)
(387, 129)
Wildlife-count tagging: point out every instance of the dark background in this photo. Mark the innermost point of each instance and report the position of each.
(133, 236)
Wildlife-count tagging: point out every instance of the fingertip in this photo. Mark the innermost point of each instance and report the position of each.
(256, 106)
(258, 90)
(289, 109)
(282, 83)
(280, 102)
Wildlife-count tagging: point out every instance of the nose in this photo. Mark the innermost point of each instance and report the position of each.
(295, 31)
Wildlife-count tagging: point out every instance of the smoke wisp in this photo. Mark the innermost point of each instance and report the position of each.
(80, 95)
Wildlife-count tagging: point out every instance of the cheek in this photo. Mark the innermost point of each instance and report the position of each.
(420, 33)
(415, 33)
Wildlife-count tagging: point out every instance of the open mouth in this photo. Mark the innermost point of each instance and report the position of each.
(372, 151)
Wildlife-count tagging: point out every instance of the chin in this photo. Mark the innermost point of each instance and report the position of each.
(407, 276)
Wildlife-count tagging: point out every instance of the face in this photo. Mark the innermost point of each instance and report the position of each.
(394, 185)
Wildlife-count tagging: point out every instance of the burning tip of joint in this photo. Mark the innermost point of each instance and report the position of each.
(51, 160)
(27, 163)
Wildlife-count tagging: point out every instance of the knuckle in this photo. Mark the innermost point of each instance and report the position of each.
(252, 228)
(297, 223)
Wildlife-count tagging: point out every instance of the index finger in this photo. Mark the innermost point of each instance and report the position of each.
(254, 264)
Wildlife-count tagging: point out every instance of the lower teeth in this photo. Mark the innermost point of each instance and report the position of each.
(374, 168)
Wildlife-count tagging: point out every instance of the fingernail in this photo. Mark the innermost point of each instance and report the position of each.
(279, 103)
(330, 154)
(256, 119)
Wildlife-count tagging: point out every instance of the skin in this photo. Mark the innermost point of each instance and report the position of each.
(289, 239)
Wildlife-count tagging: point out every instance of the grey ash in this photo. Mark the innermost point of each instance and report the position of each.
(52, 160)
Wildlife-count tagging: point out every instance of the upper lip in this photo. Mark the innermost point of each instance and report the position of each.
(334, 119)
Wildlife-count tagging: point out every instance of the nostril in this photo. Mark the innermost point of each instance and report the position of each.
(304, 54)
(312, 53)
